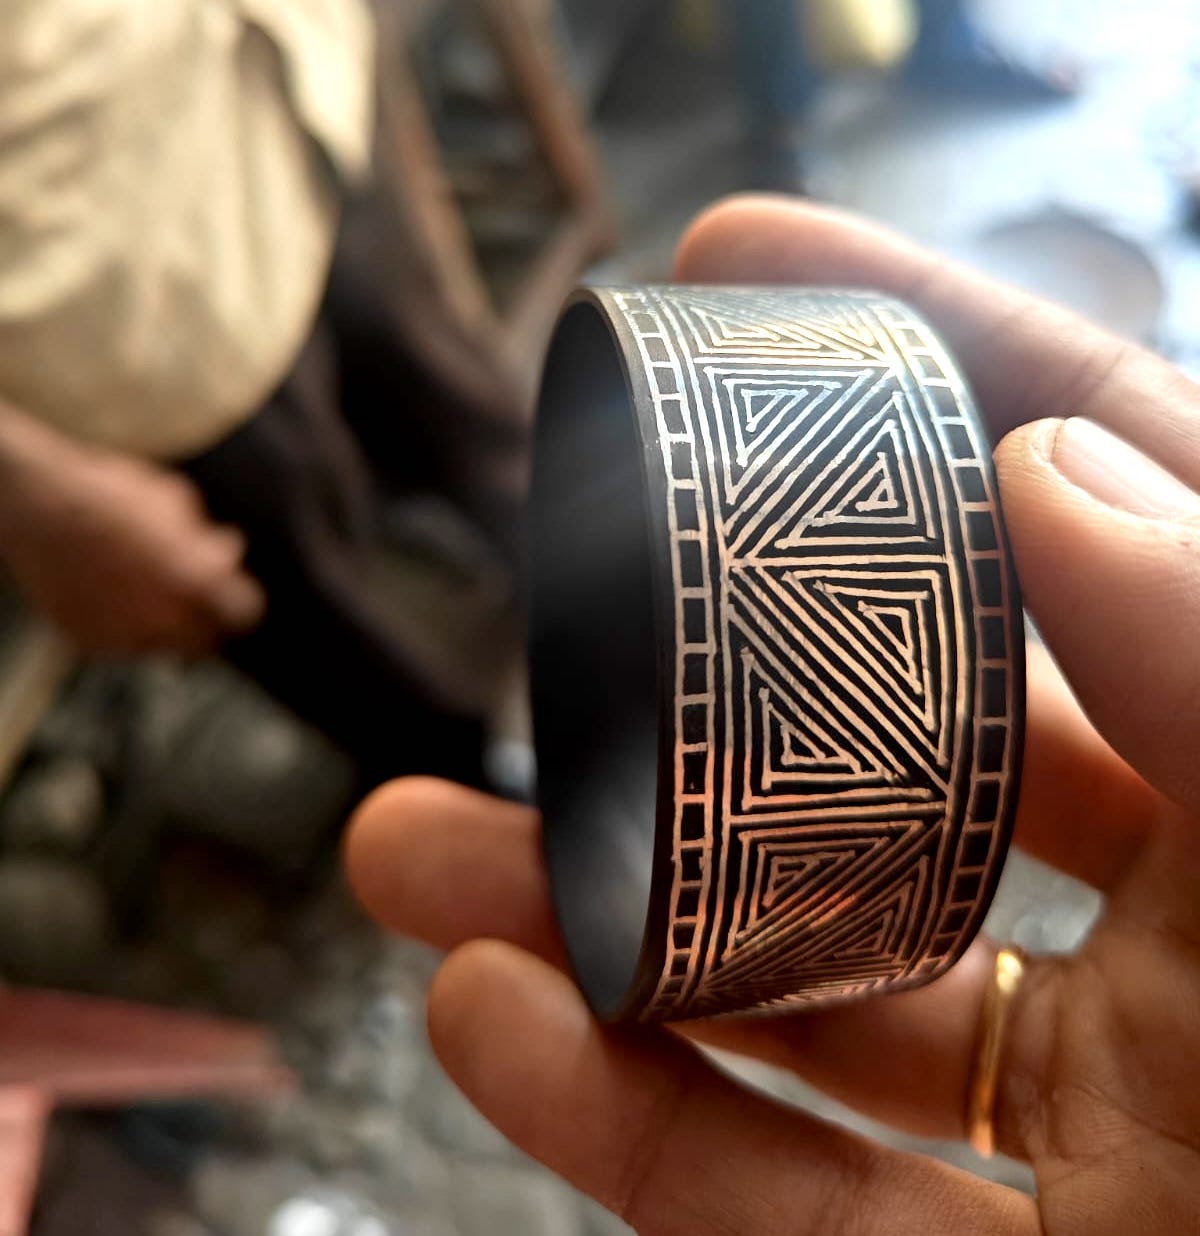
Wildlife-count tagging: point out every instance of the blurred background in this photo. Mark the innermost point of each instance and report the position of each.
(311, 309)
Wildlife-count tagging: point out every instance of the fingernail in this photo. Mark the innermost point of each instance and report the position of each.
(1118, 474)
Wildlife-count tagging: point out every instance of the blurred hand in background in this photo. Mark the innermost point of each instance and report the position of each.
(117, 552)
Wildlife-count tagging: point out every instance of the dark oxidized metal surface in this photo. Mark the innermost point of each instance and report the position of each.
(777, 649)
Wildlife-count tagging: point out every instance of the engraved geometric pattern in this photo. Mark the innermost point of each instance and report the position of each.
(843, 636)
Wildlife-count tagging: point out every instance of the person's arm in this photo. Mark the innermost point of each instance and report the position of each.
(117, 552)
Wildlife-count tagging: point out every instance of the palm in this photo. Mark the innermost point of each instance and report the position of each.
(1100, 1084)
(1103, 1084)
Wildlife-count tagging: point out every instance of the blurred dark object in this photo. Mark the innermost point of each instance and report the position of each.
(785, 51)
(87, 1172)
(1190, 183)
(777, 84)
(328, 648)
(486, 204)
(56, 807)
(33, 665)
(484, 156)
(55, 924)
(243, 774)
(193, 756)
(598, 37)
(82, 830)
(170, 1138)
(72, 1051)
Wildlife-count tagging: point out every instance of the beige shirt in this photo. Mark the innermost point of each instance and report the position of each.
(168, 201)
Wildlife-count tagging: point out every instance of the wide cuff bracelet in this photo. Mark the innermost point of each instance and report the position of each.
(777, 649)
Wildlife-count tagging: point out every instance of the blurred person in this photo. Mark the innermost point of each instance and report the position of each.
(119, 553)
(785, 50)
(1098, 1085)
(171, 178)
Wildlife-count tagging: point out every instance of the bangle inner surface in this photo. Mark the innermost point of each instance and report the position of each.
(594, 665)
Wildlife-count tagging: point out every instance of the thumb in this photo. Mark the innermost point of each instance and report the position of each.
(1107, 546)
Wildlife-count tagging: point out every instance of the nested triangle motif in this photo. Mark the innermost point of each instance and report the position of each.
(902, 629)
(877, 937)
(870, 489)
(890, 630)
(800, 740)
(874, 493)
(721, 330)
(859, 899)
(887, 707)
(895, 623)
(726, 336)
(790, 874)
(757, 405)
(851, 328)
(764, 420)
(724, 332)
(897, 626)
(883, 497)
(762, 413)
(806, 746)
(797, 874)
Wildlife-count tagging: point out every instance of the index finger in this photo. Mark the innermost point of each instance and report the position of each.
(1026, 358)
(665, 1140)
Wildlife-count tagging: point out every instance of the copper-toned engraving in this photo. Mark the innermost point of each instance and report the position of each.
(838, 643)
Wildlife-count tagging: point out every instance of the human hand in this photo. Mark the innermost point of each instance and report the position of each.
(118, 553)
(1100, 1079)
